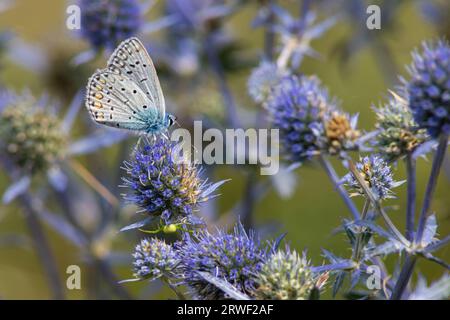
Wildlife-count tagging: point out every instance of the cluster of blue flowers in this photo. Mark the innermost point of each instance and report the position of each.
(164, 185)
(296, 107)
(429, 88)
(377, 174)
(107, 23)
(236, 257)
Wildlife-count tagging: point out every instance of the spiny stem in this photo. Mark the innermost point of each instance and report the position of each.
(404, 277)
(411, 197)
(431, 186)
(358, 248)
(339, 188)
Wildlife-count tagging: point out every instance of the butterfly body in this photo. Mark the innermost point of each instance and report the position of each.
(127, 94)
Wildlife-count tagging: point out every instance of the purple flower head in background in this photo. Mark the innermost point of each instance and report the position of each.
(296, 107)
(429, 88)
(106, 23)
(197, 15)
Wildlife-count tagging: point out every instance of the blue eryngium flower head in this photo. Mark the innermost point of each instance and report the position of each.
(30, 132)
(162, 185)
(154, 258)
(235, 257)
(296, 107)
(377, 174)
(398, 133)
(429, 88)
(106, 23)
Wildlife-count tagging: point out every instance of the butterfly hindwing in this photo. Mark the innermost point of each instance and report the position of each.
(117, 101)
(132, 60)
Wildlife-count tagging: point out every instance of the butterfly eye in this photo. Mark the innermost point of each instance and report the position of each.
(171, 120)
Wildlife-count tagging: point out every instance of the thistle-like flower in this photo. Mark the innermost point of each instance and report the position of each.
(429, 88)
(163, 185)
(341, 133)
(297, 107)
(377, 174)
(285, 276)
(398, 133)
(263, 79)
(30, 134)
(106, 23)
(197, 15)
(154, 258)
(234, 257)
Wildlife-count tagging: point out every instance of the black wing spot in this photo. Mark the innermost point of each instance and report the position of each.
(144, 65)
(134, 91)
(129, 72)
(134, 112)
(118, 125)
(145, 79)
(132, 65)
(145, 107)
(137, 62)
(112, 108)
(123, 89)
(129, 118)
(110, 116)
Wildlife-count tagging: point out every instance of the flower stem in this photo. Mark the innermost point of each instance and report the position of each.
(411, 197)
(339, 188)
(221, 81)
(404, 277)
(42, 247)
(269, 34)
(432, 181)
(358, 248)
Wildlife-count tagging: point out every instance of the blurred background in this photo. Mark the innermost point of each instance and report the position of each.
(356, 65)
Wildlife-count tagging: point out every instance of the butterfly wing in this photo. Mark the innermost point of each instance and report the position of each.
(132, 60)
(116, 101)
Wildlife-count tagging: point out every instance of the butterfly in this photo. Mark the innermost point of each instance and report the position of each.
(127, 94)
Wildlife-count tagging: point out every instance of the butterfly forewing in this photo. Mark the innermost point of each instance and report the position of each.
(115, 100)
(132, 60)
